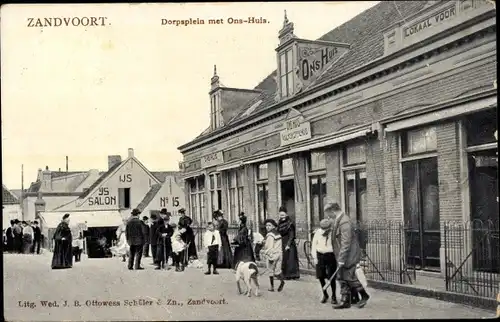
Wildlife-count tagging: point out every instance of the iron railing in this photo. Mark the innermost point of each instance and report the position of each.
(472, 259)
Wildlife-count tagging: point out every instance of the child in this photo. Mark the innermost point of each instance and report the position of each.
(324, 258)
(178, 248)
(212, 242)
(273, 254)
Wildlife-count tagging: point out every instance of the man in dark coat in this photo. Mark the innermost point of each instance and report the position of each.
(147, 238)
(348, 254)
(37, 240)
(10, 236)
(135, 239)
(18, 236)
(155, 223)
(164, 248)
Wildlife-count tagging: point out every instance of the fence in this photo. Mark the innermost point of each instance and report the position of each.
(199, 231)
(472, 259)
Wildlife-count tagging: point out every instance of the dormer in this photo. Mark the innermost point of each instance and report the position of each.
(216, 119)
(301, 62)
(227, 102)
(286, 63)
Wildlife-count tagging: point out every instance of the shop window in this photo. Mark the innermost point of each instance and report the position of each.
(355, 194)
(262, 197)
(197, 199)
(124, 198)
(262, 171)
(419, 141)
(354, 172)
(215, 191)
(317, 186)
(235, 184)
(421, 212)
(286, 167)
(286, 73)
(317, 161)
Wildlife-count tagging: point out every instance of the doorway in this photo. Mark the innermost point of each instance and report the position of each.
(288, 197)
(421, 213)
(483, 176)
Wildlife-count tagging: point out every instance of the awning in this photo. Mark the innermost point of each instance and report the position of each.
(99, 218)
(442, 114)
(332, 141)
(230, 166)
(268, 157)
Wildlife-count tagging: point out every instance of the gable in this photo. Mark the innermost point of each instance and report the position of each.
(169, 195)
(128, 174)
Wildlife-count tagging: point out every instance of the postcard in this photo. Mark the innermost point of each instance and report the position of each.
(249, 161)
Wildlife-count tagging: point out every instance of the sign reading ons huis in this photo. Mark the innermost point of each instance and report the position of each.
(212, 159)
(295, 131)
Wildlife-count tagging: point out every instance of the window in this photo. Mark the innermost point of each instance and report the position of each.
(481, 127)
(286, 73)
(124, 198)
(286, 167)
(317, 161)
(355, 188)
(197, 199)
(262, 171)
(235, 184)
(419, 141)
(317, 186)
(216, 111)
(262, 196)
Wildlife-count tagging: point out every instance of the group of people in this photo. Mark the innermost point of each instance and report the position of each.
(336, 254)
(23, 237)
(167, 240)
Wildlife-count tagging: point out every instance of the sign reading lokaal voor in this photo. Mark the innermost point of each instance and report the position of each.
(212, 159)
(295, 131)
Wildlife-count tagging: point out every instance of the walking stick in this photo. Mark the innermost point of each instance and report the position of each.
(331, 279)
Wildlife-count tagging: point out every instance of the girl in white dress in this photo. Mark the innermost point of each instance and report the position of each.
(122, 248)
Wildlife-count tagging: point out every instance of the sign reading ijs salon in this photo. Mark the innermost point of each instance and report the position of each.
(296, 129)
(314, 57)
(212, 159)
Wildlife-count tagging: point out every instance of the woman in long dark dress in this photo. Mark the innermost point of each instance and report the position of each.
(188, 236)
(226, 256)
(243, 250)
(286, 228)
(63, 256)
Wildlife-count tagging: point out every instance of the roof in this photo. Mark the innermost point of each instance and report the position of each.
(57, 174)
(364, 33)
(101, 179)
(149, 196)
(8, 198)
(100, 218)
(35, 186)
(162, 175)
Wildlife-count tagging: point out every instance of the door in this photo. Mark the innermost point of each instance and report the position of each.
(288, 197)
(483, 176)
(421, 213)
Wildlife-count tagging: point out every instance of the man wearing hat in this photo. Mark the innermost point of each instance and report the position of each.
(324, 258)
(348, 254)
(37, 237)
(145, 228)
(155, 223)
(135, 239)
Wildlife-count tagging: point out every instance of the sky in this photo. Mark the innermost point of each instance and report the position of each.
(90, 92)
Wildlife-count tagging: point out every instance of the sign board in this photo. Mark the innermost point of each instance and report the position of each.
(296, 130)
(314, 59)
(212, 159)
(431, 21)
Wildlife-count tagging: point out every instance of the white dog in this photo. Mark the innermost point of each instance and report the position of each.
(248, 272)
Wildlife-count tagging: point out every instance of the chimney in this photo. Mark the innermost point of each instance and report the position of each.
(214, 81)
(130, 152)
(113, 160)
(46, 179)
(66, 163)
(39, 175)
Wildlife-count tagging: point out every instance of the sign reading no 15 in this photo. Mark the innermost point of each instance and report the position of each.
(164, 201)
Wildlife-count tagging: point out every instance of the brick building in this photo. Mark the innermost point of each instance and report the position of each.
(392, 114)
